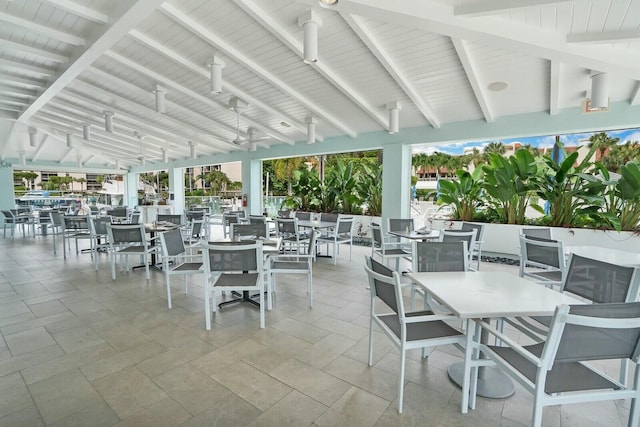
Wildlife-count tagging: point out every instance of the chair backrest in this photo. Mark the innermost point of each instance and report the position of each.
(8, 215)
(76, 222)
(194, 215)
(384, 284)
(345, 225)
(313, 239)
(172, 218)
(117, 212)
(376, 235)
(240, 257)
(540, 252)
(94, 210)
(135, 218)
(196, 228)
(99, 225)
(329, 217)
(601, 282)
(469, 237)
(400, 224)
(257, 219)
(126, 233)
(595, 332)
(468, 226)
(172, 244)
(240, 213)
(287, 226)
(229, 218)
(303, 216)
(284, 213)
(57, 219)
(439, 256)
(541, 232)
(252, 231)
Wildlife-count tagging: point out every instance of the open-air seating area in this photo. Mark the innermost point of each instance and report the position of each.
(77, 346)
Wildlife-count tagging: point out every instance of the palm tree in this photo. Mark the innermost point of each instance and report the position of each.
(493, 147)
(604, 142)
(217, 180)
(419, 162)
(284, 169)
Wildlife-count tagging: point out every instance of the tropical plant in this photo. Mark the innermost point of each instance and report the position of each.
(603, 142)
(509, 183)
(573, 194)
(369, 186)
(341, 182)
(464, 194)
(628, 187)
(306, 189)
(217, 180)
(284, 170)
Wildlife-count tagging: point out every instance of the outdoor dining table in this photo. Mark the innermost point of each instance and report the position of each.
(475, 295)
(417, 234)
(612, 256)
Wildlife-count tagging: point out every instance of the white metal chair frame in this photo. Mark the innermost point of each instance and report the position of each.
(294, 264)
(385, 250)
(341, 234)
(550, 273)
(469, 237)
(407, 330)
(176, 261)
(136, 244)
(536, 366)
(229, 279)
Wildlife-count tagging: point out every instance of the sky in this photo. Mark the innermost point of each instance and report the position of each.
(536, 141)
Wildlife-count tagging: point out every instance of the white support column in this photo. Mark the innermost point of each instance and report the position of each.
(176, 188)
(7, 196)
(131, 189)
(396, 182)
(252, 185)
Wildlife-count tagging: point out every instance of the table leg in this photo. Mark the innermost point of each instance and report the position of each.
(492, 383)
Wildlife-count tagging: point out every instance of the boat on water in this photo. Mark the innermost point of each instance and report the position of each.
(36, 199)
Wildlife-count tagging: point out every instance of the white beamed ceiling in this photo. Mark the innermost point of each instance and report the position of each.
(62, 67)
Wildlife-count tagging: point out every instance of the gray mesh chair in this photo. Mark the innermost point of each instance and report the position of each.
(284, 213)
(127, 240)
(476, 251)
(329, 217)
(287, 230)
(176, 261)
(99, 236)
(249, 231)
(592, 281)
(303, 216)
(257, 219)
(539, 232)
(436, 256)
(11, 219)
(542, 260)
(469, 237)
(227, 220)
(77, 227)
(232, 266)
(403, 225)
(558, 370)
(341, 234)
(385, 250)
(407, 330)
(57, 228)
(197, 215)
(294, 264)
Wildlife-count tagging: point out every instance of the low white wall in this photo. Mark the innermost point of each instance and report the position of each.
(503, 240)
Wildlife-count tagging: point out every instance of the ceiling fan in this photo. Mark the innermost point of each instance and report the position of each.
(238, 105)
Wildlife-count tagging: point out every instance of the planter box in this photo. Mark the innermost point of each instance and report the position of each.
(502, 239)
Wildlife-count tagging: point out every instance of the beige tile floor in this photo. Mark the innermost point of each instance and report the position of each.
(78, 349)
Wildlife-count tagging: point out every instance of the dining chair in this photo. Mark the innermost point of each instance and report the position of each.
(469, 237)
(403, 225)
(329, 217)
(286, 213)
(249, 231)
(542, 260)
(227, 220)
(99, 236)
(340, 235)
(176, 261)
(127, 240)
(287, 229)
(558, 370)
(232, 266)
(429, 256)
(193, 233)
(10, 219)
(406, 330)
(301, 263)
(57, 228)
(476, 250)
(257, 219)
(77, 228)
(539, 232)
(194, 215)
(303, 216)
(385, 250)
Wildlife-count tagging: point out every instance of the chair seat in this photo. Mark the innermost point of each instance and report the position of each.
(290, 265)
(563, 377)
(132, 250)
(188, 266)
(234, 280)
(398, 251)
(419, 331)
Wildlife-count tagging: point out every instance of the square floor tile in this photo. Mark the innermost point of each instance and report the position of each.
(28, 341)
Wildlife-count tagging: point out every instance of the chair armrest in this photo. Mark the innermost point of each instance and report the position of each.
(511, 343)
(430, 318)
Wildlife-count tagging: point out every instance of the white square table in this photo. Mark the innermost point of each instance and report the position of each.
(417, 234)
(485, 295)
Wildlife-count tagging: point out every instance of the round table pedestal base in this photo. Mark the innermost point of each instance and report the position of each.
(492, 383)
